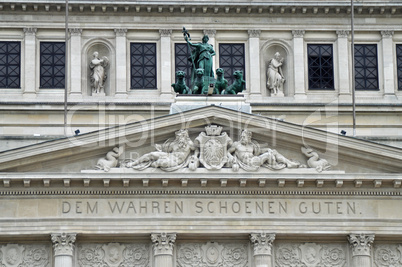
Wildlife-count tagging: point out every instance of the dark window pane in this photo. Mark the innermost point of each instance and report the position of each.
(182, 62)
(10, 64)
(231, 59)
(366, 67)
(320, 67)
(52, 64)
(399, 65)
(143, 65)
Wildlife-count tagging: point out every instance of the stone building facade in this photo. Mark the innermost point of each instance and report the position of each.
(75, 194)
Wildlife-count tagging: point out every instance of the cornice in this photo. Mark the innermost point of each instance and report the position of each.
(207, 7)
(151, 183)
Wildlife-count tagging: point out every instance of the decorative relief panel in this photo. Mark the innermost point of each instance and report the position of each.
(13, 255)
(310, 255)
(388, 255)
(113, 255)
(212, 254)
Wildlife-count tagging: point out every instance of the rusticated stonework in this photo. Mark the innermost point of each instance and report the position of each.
(113, 255)
(213, 254)
(310, 255)
(13, 255)
(388, 255)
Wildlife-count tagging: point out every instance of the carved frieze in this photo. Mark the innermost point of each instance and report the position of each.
(212, 254)
(388, 255)
(17, 255)
(310, 255)
(113, 255)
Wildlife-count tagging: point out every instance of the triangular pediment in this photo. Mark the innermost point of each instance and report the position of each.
(81, 152)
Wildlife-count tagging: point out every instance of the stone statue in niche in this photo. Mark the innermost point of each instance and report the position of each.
(314, 160)
(98, 73)
(170, 156)
(275, 78)
(248, 155)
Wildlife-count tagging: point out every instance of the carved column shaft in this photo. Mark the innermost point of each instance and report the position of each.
(343, 69)
(166, 62)
(63, 249)
(30, 65)
(121, 61)
(254, 57)
(361, 249)
(298, 48)
(388, 62)
(262, 248)
(163, 245)
(75, 59)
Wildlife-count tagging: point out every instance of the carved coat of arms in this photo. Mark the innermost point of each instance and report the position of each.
(213, 147)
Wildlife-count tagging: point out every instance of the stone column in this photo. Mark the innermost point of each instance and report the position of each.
(388, 63)
(262, 248)
(343, 66)
(299, 70)
(30, 63)
(163, 244)
(254, 57)
(166, 63)
(121, 61)
(75, 62)
(361, 249)
(63, 249)
(212, 40)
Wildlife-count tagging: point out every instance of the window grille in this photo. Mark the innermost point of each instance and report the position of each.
(320, 67)
(366, 67)
(143, 66)
(182, 53)
(399, 65)
(52, 64)
(231, 58)
(10, 64)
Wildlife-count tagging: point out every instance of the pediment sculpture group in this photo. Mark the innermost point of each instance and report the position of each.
(213, 150)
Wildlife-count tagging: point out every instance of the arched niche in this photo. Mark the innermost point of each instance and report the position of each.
(104, 48)
(268, 51)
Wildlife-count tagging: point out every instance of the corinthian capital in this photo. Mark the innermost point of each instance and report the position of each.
(163, 243)
(120, 32)
(342, 33)
(75, 31)
(210, 33)
(387, 34)
(298, 33)
(165, 32)
(262, 243)
(63, 244)
(361, 244)
(30, 31)
(254, 33)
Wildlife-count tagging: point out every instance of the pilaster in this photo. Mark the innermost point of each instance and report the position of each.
(254, 57)
(343, 66)
(121, 61)
(75, 61)
(29, 59)
(166, 63)
(63, 245)
(388, 63)
(299, 69)
(262, 249)
(163, 245)
(361, 249)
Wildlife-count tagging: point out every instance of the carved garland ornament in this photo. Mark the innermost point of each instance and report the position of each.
(113, 255)
(13, 255)
(310, 255)
(212, 254)
(388, 255)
